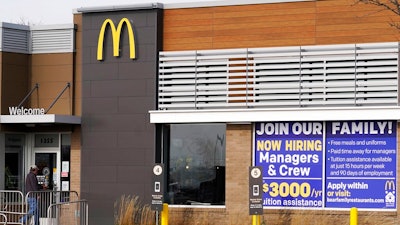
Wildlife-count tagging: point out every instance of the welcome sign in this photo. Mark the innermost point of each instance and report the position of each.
(327, 164)
(20, 111)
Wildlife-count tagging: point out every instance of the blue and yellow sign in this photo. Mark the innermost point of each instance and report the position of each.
(291, 154)
(327, 164)
(361, 164)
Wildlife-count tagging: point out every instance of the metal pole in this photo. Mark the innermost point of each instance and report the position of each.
(256, 220)
(59, 95)
(157, 217)
(28, 95)
(353, 216)
(164, 214)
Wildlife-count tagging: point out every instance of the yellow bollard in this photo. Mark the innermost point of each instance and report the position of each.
(164, 214)
(353, 216)
(256, 220)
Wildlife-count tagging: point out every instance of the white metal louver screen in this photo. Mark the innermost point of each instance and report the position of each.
(302, 76)
(14, 38)
(58, 39)
(37, 39)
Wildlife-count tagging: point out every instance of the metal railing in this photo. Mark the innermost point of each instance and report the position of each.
(3, 219)
(68, 213)
(300, 76)
(12, 206)
(40, 207)
(46, 198)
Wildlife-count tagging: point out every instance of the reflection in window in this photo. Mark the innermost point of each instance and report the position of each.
(196, 164)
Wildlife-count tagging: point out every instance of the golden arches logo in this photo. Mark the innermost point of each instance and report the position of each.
(389, 185)
(116, 37)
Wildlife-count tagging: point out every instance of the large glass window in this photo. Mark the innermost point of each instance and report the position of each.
(196, 163)
(65, 162)
(14, 144)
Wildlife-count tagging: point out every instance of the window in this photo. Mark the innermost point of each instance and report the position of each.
(13, 177)
(196, 163)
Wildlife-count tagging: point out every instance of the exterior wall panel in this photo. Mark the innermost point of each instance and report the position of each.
(14, 79)
(278, 24)
(240, 26)
(118, 149)
(76, 160)
(345, 21)
(78, 65)
(53, 72)
(238, 160)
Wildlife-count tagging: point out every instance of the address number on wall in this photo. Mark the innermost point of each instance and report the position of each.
(46, 140)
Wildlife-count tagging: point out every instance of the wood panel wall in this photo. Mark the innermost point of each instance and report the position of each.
(52, 72)
(277, 24)
(14, 79)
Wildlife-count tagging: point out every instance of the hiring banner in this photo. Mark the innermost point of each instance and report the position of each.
(291, 155)
(327, 164)
(361, 164)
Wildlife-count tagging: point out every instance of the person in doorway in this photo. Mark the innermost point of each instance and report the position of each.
(32, 185)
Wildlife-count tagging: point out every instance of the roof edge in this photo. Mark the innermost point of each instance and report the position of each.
(213, 3)
(178, 5)
(14, 26)
(53, 26)
(139, 6)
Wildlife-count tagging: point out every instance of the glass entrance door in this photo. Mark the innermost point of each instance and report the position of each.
(47, 158)
(41, 149)
(47, 164)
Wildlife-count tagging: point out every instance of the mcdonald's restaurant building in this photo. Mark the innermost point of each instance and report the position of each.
(305, 91)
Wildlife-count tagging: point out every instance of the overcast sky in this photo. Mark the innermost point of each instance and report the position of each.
(48, 12)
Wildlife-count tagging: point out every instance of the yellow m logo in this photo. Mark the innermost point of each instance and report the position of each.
(116, 36)
(389, 185)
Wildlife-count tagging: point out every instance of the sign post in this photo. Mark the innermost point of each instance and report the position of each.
(157, 188)
(255, 191)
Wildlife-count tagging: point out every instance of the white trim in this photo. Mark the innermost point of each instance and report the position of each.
(259, 115)
(36, 119)
(53, 27)
(112, 8)
(213, 3)
(179, 5)
(14, 26)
